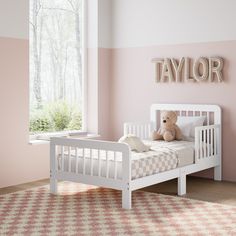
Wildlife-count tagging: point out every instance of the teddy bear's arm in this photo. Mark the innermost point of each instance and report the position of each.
(178, 133)
(156, 135)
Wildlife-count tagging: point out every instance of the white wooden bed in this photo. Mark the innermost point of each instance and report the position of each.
(206, 156)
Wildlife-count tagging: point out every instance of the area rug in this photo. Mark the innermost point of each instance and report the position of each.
(88, 210)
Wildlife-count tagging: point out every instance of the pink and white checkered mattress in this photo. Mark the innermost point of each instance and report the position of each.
(163, 156)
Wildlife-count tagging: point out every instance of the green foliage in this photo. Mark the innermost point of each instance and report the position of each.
(57, 116)
(39, 123)
(76, 121)
(60, 113)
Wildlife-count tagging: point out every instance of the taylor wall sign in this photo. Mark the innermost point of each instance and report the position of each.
(188, 69)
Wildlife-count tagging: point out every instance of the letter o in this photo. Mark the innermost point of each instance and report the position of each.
(205, 69)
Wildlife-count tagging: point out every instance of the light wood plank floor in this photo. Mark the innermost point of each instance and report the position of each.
(197, 188)
(200, 189)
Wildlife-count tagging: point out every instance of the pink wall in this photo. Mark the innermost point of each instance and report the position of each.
(104, 95)
(133, 89)
(98, 94)
(19, 161)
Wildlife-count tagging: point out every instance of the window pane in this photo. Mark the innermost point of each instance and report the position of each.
(56, 96)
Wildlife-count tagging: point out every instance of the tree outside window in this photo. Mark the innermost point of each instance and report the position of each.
(56, 96)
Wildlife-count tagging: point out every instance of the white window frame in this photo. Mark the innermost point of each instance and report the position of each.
(83, 132)
(85, 66)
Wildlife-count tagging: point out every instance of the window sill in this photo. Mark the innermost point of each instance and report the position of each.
(41, 141)
(37, 142)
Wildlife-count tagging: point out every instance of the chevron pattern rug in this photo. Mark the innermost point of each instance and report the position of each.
(88, 210)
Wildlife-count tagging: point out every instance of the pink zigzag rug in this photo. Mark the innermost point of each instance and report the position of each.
(88, 210)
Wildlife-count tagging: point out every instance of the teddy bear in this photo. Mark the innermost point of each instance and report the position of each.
(168, 131)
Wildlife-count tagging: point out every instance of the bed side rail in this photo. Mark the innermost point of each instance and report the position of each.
(207, 142)
(76, 155)
(141, 130)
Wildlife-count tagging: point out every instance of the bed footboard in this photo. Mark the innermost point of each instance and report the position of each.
(90, 162)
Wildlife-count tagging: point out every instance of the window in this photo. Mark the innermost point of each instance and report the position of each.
(57, 97)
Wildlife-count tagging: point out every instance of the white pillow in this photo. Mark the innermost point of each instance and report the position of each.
(185, 129)
(134, 142)
(187, 125)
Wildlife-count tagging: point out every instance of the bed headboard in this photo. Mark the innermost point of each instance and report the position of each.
(212, 112)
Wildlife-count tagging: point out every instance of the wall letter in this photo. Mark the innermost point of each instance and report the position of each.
(215, 66)
(167, 71)
(178, 68)
(158, 64)
(187, 70)
(196, 67)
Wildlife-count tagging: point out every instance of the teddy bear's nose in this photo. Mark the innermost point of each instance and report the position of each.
(164, 121)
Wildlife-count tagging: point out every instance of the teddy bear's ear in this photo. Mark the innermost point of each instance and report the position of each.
(163, 111)
(174, 116)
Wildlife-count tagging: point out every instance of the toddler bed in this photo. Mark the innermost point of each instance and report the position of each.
(114, 165)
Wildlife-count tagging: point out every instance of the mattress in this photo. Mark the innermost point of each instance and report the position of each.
(183, 149)
(162, 156)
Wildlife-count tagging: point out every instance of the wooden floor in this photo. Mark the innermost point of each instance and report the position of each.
(197, 188)
(200, 189)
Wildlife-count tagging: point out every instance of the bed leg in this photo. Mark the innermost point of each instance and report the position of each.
(126, 199)
(217, 173)
(182, 185)
(53, 185)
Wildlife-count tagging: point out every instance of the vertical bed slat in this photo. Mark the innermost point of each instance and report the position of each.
(77, 159)
(215, 143)
(107, 165)
(99, 163)
(212, 138)
(142, 132)
(145, 131)
(69, 156)
(149, 130)
(126, 126)
(91, 161)
(200, 144)
(62, 158)
(208, 142)
(83, 155)
(115, 162)
(204, 143)
(208, 118)
(137, 131)
(197, 147)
